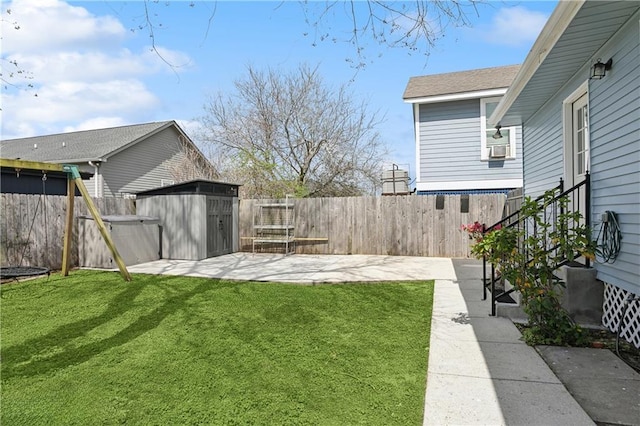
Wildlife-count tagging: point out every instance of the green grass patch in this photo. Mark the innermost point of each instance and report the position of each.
(93, 349)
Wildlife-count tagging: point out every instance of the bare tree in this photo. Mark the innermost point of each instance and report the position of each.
(11, 73)
(290, 133)
(191, 164)
(414, 25)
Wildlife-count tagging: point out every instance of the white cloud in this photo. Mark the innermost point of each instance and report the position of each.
(96, 123)
(53, 24)
(83, 73)
(193, 128)
(514, 26)
(64, 104)
(69, 65)
(167, 60)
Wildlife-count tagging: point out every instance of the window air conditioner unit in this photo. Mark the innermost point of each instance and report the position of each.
(498, 151)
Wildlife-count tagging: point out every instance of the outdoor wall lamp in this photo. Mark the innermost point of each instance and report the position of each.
(599, 70)
(497, 134)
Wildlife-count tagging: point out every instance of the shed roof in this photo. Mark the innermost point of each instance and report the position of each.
(82, 146)
(460, 82)
(197, 186)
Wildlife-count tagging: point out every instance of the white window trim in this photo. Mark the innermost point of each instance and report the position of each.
(469, 185)
(567, 130)
(416, 127)
(456, 96)
(484, 150)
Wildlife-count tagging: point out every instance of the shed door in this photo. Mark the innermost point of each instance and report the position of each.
(219, 221)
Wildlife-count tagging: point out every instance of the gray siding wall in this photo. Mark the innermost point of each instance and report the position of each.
(614, 110)
(184, 221)
(450, 145)
(143, 165)
(615, 152)
(543, 148)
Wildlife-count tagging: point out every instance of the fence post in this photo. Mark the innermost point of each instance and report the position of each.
(68, 228)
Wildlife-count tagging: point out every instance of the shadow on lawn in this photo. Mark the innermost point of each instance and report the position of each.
(24, 359)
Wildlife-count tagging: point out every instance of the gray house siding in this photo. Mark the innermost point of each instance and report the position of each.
(450, 141)
(615, 152)
(143, 165)
(543, 149)
(614, 125)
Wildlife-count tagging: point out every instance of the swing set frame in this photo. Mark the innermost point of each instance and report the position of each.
(73, 180)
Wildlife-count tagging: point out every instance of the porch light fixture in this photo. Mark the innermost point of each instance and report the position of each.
(599, 70)
(497, 134)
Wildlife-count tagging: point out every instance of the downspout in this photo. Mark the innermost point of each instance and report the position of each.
(97, 179)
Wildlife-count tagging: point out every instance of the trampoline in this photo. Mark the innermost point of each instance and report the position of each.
(15, 272)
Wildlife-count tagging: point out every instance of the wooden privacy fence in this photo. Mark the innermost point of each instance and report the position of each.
(34, 225)
(414, 225)
(513, 203)
(417, 225)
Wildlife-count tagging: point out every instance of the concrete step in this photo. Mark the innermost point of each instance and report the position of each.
(582, 296)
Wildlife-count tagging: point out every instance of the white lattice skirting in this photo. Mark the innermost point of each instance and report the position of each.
(616, 303)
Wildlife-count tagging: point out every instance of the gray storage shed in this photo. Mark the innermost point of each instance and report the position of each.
(199, 218)
(137, 239)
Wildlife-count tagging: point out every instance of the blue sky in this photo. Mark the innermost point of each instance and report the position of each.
(91, 71)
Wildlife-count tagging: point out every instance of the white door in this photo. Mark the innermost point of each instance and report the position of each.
(580, 141)
(579, 155)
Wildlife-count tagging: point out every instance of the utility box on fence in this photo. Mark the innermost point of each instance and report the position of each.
(137, 239)
(395, 182)
(199, 218)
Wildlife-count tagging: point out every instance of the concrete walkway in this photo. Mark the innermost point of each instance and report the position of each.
(606, 387)
(480, 372)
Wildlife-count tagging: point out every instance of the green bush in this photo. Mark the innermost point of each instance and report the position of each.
(529, 260)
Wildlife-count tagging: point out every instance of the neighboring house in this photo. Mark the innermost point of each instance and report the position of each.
(35, 182)
(574, 123)
(122, 160)
(455, 150)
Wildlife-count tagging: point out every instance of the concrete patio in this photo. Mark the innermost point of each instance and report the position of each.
(307, 269)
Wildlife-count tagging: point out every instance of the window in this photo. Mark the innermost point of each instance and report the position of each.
(494, 145)
(581, 136)
(166, 182)
(576, 135)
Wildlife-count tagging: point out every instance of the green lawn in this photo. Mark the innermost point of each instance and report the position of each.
(93, 349)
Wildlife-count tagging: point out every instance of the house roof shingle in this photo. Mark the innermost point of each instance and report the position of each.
(460, 82)
(82, 146)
